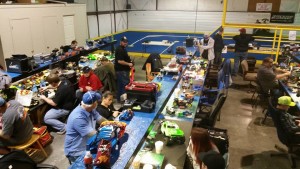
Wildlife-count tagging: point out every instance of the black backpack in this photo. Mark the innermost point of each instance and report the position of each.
(17, 160)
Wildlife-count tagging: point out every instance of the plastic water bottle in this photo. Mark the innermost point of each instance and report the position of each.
(88, 160)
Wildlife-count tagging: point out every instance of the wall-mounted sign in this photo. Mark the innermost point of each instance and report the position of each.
(282, 17)
(292, 35)
(263, 6)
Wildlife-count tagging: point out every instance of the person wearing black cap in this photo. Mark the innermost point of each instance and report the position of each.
(81, 125)
(123, 65)
(17, 127)
(88, 82)
(241, 48)
(212, 160)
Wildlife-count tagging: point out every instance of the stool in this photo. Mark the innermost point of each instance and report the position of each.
(26, 146)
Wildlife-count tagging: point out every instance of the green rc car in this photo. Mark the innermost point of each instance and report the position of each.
(172, 133)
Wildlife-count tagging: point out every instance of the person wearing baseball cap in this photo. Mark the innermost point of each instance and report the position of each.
(88, 82)
(17, 127)
(290, 124)
(123, 65)
(81, 125)
(206, 47)
(212, 160)
(241, 48)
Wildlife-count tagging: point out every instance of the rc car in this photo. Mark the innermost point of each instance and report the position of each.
(182, 104)
(170, 110)
(126, 115)
(172, 133)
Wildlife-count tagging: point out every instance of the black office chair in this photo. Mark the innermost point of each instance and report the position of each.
(261, 95)
(283, 136)
(211, 79)
(209, 119)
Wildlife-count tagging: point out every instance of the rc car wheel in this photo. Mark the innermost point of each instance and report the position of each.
(180, 140)
(168, 141)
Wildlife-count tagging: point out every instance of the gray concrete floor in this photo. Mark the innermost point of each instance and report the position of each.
(250, 142)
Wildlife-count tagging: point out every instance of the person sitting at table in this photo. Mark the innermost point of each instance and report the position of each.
(290, 124)
(105, 108)
(17, 127)
(206, 47)
(152, 66)
(268, 76)
(88, 82)
(212, 160)
(81, 125)
(199, 142)
(74, 45)
(62, 102)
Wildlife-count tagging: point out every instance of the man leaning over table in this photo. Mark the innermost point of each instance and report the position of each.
(268, 76)
(81, 125)
(62, 102)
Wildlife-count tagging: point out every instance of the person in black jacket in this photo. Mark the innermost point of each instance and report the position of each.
(105, 109)
(290, 124)
(123, 65)
(241, 48)
(218, 47)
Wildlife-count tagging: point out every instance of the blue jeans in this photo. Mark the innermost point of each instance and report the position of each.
(52, 116)
(122, 81)
(238, 57)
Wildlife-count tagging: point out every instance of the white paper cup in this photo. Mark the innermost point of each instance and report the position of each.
(136, 162)
(148, 166)
(158, 147)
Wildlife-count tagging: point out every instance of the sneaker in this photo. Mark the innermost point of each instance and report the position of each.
(61, 132)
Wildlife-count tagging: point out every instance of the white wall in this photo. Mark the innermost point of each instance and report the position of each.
(289, 6)
(36, 13)
(185, 21)
(206, 5)
(142, 4)
(188, 5)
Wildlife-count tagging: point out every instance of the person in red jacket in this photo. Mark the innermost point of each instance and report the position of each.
(88, 82)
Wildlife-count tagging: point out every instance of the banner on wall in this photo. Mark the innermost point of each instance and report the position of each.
(264, 7)
(292, 35)
(282, 17)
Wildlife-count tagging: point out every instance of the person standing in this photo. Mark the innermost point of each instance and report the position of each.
(17, 127)
(88, 82)
(241, 48)
(218, 46)
(62, 102)
(107, 75)
(206, 48)
(123, 65)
